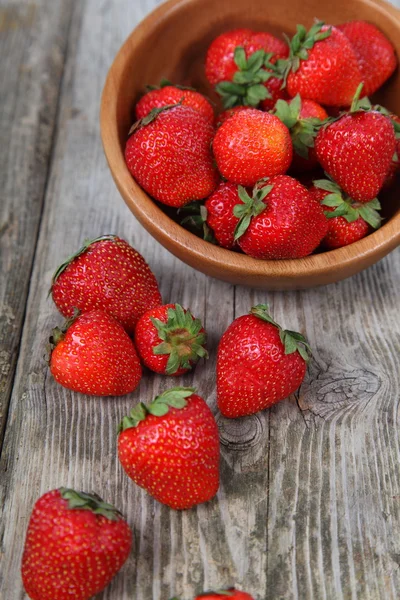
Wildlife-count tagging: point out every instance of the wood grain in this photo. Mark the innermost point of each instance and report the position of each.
(309, 501)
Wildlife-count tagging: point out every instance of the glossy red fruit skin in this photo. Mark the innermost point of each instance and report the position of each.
(220, 215)
(309, 110)
(71, 554)
(234, 595)
(292, 225)
(173, 95)
(252, 144)
(274, 85)
(330, 75)
(220, 64)
(229, 112)
(171, 159)
(253, 371)
(340, 231)
(112, 276)
(375, 54)
(174, 457)
(96, 357)
(356, 151)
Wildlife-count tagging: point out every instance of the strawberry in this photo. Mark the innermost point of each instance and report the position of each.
(229, 593)
(229, 112)
(219, 213)
(258, 364)
(349, 221)
(171, 448)
(322, 66)
(93, 354)
(275, 92)
(106, 273)
(303, 118)
(375, 54)
(170, 340)
(251, 145)
(169, 155)
(356, 150)
(280, 220)
(167, 94)
(75, 544)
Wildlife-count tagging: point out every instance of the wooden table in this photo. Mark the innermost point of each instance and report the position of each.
(309, 504)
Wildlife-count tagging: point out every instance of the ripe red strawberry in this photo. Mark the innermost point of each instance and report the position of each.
(170, 340)
(258, 364)
(322, 66)
(170, 157)
(374, 52)
(106, 273)
(227, 594)
(251, 145)
(75, 544)
(356, 151)
(94, 355)
(275, 93)
(167, 94)
(280, 220)
(303, 118)
(348, 221)
(220, 217)
(171, 448)
(224, 115)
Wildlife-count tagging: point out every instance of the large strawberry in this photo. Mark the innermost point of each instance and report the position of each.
(280, 220)
(258, 364)
(75, 544)
(250, 145)
(167, 94)
(106, 273)
(94, 355)
(170, 340)
(349, 221)
(322, 66)
(171, 448)
(374, 52)
(169, 155)
(219, 213)
(225, 594)
(357, 149)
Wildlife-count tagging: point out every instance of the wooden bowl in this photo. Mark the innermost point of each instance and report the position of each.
(171, 42)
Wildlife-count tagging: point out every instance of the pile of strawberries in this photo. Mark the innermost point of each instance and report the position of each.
(298, 106)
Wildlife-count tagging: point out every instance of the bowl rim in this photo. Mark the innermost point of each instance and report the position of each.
(179, 240)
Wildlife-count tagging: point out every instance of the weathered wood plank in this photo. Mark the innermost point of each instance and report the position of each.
(32, 49)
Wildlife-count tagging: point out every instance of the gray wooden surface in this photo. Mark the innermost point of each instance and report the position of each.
(309, 504)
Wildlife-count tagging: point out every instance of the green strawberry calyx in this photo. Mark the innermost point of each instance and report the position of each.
(182, 338)
(302, 131)
(247, 87)
(291, 340)
(250, 206)
(153, 114)
(223, 592)
(172, 398)
(92, 502)
(346, 207)
(196, 218)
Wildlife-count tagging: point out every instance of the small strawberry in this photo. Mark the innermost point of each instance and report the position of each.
(169, 155)
(375, 53)
(258, 364)
(75, 544)
(171, 448)
(303, 118)
(280, 220)
(395, 164)
(322, 66)
(349, 221)
(356, 150)
(252, 144)
(170, 340)
(167, 94)
(109, 274)
(94, 355)
(219, 213)
(229, 593)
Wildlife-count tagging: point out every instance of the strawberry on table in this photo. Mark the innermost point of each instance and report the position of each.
(94, 355)
(280, 220)
(219, 213)
(258, 364)
(170, 340)
(75, 544)
(171, 448)
(250, 145)
(109, 274)
(170, 157)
